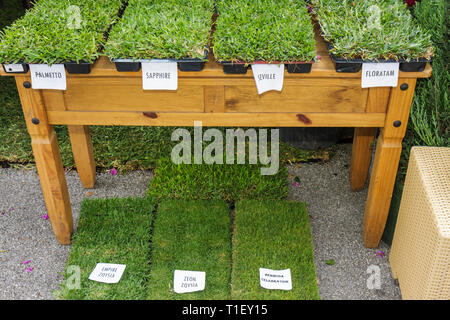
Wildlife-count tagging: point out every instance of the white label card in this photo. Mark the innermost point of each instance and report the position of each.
(188, 281)
(13, 68)
(379, 75)
(107, 272)
(268, 77)
(275, 279)
(160, 75)
(48, 77)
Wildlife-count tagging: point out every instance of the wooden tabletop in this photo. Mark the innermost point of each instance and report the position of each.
(103, 67)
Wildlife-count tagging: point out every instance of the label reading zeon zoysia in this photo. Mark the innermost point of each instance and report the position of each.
(268, 77)
(48, 77)
(107, 272)
(275, 279)
(379, 75)
(160, 75)
(188, 281)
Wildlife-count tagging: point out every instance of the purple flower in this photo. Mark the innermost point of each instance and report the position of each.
(296, 184)
(380, 254)
(45, 216)
(26, 261)
(113, 171)
(3, 213)
(309, 9)
(29, 269)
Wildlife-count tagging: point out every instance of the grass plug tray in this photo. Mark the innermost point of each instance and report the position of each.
(343, 65)
(187, 64)
(242, 67)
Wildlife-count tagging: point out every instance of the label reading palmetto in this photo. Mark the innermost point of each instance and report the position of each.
(48, 77)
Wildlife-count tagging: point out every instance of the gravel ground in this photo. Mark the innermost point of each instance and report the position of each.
(336, 217)
(24, 235)
(336, 222)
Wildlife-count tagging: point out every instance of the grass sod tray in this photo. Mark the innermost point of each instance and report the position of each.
(216, 181)
(112, 231)
(372, 30)
(268, 30)
(59, 31)
(195, 236)
(157, 29)
(273, 235)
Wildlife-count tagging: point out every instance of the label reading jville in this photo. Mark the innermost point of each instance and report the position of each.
(268, 77)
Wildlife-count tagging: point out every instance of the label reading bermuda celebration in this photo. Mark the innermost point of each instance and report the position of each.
(268, 77)
(275, 279)
(160, 75)
(379, 75)
(48, 77)
(188, 281)
(107, 272)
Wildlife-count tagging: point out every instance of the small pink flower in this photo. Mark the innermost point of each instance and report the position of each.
(380, 254)
(318, 57)
(296, 184)
(45, 216)
(29, 269)
(26, 261)
(113, 171)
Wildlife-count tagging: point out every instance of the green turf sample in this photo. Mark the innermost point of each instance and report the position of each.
(216, 181)
(155, 29)
(59, 31)
(273, 235)
(372, 29)
(112, 231)
(269, 30)
(194, 236)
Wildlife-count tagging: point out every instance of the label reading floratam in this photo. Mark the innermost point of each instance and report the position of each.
(48, 77)
(379, 75)
(160, 75)
(275, 279)
(188, 281)
(268, 77)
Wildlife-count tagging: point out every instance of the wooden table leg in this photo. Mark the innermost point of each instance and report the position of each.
(48, 161)
(387, 156)
(361, 156)
(83, 154)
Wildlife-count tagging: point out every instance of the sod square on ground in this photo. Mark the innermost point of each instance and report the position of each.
(111, 231)
(273, 235)
(195, 236)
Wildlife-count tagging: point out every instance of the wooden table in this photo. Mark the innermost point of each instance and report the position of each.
(322, 98)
